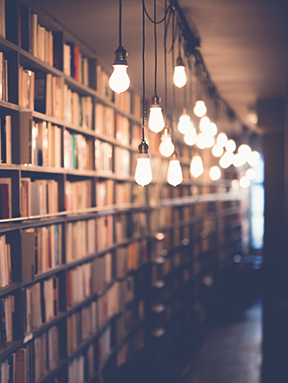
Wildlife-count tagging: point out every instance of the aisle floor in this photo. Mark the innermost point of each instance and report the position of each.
(231, 352)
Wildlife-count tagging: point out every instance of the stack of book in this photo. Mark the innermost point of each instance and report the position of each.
(77, 195)
(78, 283)
(104, 120)
(80, 239)
(77, 109)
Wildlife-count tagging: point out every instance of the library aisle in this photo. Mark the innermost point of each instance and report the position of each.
(231, 352)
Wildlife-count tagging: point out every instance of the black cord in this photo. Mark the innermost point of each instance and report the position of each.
(155, 42)
(173, 86)
(143, 73)
(165, 62)
(179, 42)
(120, 23)
(154, 21)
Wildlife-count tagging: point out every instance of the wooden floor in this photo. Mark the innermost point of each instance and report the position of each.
(231, 352)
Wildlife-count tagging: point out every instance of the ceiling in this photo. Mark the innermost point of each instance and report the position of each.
(244, 43)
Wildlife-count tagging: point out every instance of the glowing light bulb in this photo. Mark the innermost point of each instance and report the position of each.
(238, 160)
(213, 129)
(184, 123)
(235, 184)
(190, 137)
(204, 124)
(174, 175)
(244, 182)
(179, 77)
(156, 121)
(250, 174)
(226, 160)
(143, 173)
(244, 150)
(215, 173)
(119, 80)
(217, 150)
(230, 146)
(200, 108)
(196, 167)
(210, 141)
(201, 141)
(222, 139)
(166, 148)
(253, 158)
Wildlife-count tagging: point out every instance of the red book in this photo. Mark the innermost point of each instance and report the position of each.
(76, 63)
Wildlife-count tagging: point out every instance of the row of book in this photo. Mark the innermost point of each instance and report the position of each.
(105, 232)
(76, 370)
(74, 64)
(121, 162)
(104, 120)
(5, 262)
(137, 342)
(7, 313)
(78, 151)
(26, 88)
(80, 239)
(78, 284)
(5, 198)
(104, 192)
(130, 257)
(78, 195)
(38, 197)
(42, 303)
(128, 226)
(81, 326)
(6, 140)
(3, 78)
(46, 144)
(77, 110)
(103, 157)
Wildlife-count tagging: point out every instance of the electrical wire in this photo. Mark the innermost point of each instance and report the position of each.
(120, 23)
(165, 64)
(143, 72)
(154, 21)
(155, 45)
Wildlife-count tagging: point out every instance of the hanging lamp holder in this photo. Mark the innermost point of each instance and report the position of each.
(179, 61)
(155, 100)
(143, 147)
(120, 56)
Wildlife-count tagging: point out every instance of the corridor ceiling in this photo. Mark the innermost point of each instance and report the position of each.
(244, 43)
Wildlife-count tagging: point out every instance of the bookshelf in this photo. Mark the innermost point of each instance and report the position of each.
(94, 268)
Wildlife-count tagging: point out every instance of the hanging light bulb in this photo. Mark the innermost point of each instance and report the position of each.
(119, 80)
(196, 167)
(226, 160)
(235, 184)
(238, 160)
(217, 150)
(215, 173)
(184, 123)
(190, 137)
(230, 146)
(166, 148)
(204, 124)
(200, 108)
(210, 141)
(253, 158)
(250, 174)
(201, 141)
(156, 121)
(244, 150)
(174, 174)
(244, 182)
(212, 129)
(222, 139)
(179, 77)
(143, 173)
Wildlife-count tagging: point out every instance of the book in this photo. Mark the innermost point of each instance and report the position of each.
(5, 198)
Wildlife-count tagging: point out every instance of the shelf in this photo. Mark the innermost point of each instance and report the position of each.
(11, 347)
(10, 288)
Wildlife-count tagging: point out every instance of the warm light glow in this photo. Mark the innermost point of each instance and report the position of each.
(179, 77)
(119, 80)
(226, 160)
(166, 148)
(184, 124)
(201, 141)
(200, 108)
(238, 160)
(174, 175)
(156, 120)
(213, 129)
(235, 184)
(244, 150)
(244, 182)
(217, 150)
(210, 141)
(204, 124)
(253, 158)
(215, 173)
(250, 174)
(230, 146)
(222, 139)
(196, 167)
(143, 173)
(190, 137)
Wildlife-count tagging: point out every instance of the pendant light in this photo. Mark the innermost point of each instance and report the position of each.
(253, 158)
(226, 160)
(143, 173)
(200, 108)
(222, 139)
(174, 174)
(217, 150)
(250, 174)
(230, 146)
(119, 80)
(156, 121)
(184, 124)
(215, 173)
(190, 137)
(179, 77)
(166, 147)
(196, 167)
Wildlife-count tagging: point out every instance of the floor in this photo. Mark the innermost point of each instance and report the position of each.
(231, 352)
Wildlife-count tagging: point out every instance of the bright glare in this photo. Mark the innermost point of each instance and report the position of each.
(226, 160)
(222, 139)
(238, 160)
(244, 150)
(184, 123)
(143, 173)
(253, 158)
(190, 137)
(201, 141)
(235, 184)
(217, 150)
(166, 148)
(179, 77)
(244, 182)
(196, 167)
(156, 120)
(215, 173)
(213, 129)
(119, 80)
(230, 146)
(250, 174)
(204, 124)
(210, 141)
